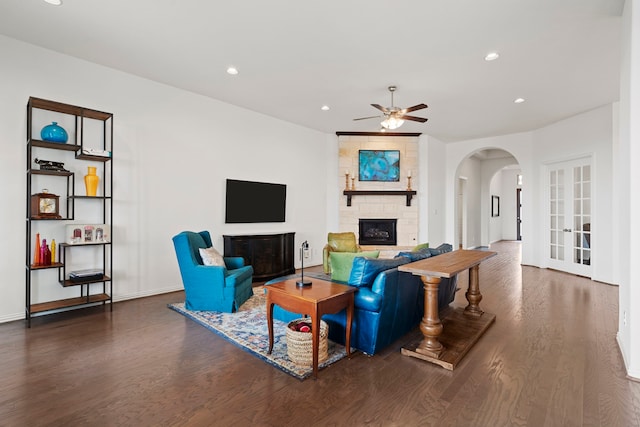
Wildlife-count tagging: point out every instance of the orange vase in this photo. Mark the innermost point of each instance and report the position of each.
(91, 181)
(36, 252)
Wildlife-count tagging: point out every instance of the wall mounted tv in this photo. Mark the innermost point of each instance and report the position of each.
(249, 201)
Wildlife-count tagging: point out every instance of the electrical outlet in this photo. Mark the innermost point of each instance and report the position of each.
(624, 318)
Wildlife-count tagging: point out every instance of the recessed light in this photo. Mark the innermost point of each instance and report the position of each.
(54, 2)
(518, 100)
(492, 56)
(325, 108)
(232, 70)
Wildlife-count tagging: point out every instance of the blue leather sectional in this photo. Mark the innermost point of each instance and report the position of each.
(388, 304)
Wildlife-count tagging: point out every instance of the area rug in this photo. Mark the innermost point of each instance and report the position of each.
(247, 328)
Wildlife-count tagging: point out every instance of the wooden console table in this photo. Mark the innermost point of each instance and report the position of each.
(446, 342)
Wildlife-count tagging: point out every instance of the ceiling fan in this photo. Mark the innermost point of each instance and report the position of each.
(394, 116)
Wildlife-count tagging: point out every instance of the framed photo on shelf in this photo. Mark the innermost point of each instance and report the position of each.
(495, 206)
(379, 165)
(84, 234)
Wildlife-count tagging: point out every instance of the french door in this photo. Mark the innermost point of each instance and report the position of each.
(569, 186)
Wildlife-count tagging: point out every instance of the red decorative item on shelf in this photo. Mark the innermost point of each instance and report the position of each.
(45, 253)
(42, 254)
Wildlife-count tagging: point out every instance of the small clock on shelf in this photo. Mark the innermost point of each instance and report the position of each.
(45, 205)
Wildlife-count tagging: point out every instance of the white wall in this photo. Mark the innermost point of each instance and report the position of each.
(495, 223)
(491, 228)
(508, 202)
(627, 201)
(588, 134)
(471, 169)
(431, 192)
(173, 151)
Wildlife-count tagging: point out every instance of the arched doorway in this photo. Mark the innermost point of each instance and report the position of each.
(486, 201)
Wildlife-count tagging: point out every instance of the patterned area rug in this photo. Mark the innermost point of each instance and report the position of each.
(247, 328)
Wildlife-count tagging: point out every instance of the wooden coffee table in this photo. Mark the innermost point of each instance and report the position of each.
(320, 298)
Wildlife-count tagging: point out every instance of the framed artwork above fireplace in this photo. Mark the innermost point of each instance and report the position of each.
(379, 165)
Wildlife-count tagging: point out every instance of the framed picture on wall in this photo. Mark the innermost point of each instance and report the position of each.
(379, 165)
(495, 206)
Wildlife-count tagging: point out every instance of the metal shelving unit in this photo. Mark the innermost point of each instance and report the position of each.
(96, 290)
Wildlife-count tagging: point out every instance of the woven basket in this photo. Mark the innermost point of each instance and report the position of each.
(300, 344)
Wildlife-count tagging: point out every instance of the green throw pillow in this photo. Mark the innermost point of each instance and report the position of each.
(420, 246)
(341, 263)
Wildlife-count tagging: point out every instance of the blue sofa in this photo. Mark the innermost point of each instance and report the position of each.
(388, 303)
(209, 287)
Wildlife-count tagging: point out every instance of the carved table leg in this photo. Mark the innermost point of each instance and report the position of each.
(431, 327)
(473, 293)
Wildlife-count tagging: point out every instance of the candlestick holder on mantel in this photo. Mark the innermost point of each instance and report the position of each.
(353, 183)
(409, 183)
(346, 182)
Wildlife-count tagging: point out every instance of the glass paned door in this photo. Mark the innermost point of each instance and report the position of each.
(569, 213)
(582, 214)
(556, 214)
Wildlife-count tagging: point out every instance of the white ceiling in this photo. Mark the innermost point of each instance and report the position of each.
(294, 56)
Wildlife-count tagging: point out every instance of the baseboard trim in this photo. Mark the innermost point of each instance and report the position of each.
(149, 293)
(22, 315)
(631, 374)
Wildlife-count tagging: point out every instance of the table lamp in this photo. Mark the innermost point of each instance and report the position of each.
(302, 282)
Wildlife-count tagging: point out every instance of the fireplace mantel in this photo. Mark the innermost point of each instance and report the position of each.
(408, 193)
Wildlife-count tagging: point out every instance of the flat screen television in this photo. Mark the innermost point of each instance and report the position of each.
(249, 201)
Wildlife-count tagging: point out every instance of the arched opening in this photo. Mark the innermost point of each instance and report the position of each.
(487, 203)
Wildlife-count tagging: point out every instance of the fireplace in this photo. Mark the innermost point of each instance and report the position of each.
(378, 232)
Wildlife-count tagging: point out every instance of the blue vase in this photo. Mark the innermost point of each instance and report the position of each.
(54, 133)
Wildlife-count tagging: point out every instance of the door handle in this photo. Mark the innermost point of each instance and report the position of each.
(568, 230)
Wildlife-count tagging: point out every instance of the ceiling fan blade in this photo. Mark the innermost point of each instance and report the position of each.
(370, 117)
(414, 118)
(380, 107)
(415, 108)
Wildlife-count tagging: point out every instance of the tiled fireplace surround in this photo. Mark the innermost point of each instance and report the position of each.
(386, 206)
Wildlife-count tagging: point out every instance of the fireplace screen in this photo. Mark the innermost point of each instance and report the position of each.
(378, 232)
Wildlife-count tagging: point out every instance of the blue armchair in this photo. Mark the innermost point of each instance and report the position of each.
(211, 288)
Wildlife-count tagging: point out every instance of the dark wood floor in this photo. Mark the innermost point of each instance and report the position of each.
(550, 359)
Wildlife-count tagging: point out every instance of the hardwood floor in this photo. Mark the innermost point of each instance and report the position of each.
(551, 359)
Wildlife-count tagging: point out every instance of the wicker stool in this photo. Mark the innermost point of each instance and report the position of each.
(300, 344)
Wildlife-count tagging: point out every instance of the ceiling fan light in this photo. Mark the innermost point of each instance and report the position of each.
(391, 123)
